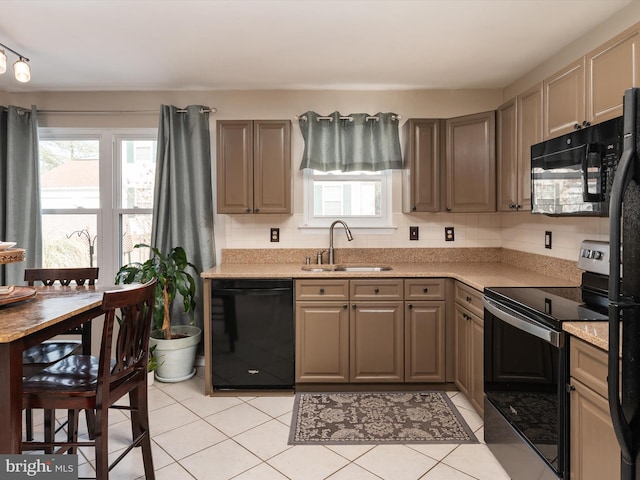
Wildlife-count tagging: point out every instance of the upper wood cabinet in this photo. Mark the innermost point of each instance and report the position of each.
(519, 125)
(564, 101)
(470, 163)
(590, 90)
(254, 166)
(507, 156)
(611, 69)
(421, 174)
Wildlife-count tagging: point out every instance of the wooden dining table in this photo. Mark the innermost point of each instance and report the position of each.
(52, 311)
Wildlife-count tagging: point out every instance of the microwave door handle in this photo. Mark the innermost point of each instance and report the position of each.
(592, 148)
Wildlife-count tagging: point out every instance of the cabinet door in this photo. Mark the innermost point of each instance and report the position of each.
(471, 163)
(272, 166)
(476, 367)
(564, 100)
(322, 342)
(424, 356)
(234, 166)
(507, 156)
(462, 349)
(611, 69)
(529, 133)
(595, 453)
(421, 192)
(377, 342)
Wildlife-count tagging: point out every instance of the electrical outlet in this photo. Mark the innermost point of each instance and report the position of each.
(449, 235)
(275, 234)
(414, 233)
(547, 239)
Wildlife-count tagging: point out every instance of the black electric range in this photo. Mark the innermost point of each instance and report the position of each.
(552, 306)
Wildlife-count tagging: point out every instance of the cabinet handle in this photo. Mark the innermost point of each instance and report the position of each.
(345, 306)
(376, 290)
(448, 209)
(586, 124)
(257, 210)
(518, 206)
(468, 299)
(425, 290)
(410, 306)
(248, 210)
(576, 126)
(570, 388)
(354, 306)
(321, 291)
(512, 205)
(414, 208)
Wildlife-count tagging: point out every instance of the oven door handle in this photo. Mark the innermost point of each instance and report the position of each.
(523, 323)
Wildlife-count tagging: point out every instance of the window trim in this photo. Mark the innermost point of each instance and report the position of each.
(382, 224)
(109, 253)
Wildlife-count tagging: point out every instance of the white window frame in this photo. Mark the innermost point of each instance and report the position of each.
(378, 224)
(108, 251)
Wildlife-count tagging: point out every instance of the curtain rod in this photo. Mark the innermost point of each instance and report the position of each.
(348, 117)
(118, 112)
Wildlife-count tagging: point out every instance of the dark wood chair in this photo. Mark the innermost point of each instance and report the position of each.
(81, 382)
(45, 354)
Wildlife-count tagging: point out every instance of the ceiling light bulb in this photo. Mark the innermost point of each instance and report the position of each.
(22, 70)
(3, 61)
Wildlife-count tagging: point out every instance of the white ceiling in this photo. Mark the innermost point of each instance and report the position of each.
(287, 44)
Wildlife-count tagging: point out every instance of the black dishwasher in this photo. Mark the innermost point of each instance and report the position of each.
(252, 334)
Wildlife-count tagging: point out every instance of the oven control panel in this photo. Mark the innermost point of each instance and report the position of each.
(594, 256)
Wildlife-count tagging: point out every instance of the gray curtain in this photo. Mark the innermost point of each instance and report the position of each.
(183, 195)
(356, 142)
(20, 219)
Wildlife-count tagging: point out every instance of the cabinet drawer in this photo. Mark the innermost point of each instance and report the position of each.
(376, 289)
(424, 289)
(589, 365)
(470, 298)
(322, 290)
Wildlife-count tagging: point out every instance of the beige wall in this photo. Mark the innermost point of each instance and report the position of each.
(519, 231)
(609, 28)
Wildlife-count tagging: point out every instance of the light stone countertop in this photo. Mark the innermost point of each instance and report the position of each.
(595, 333)
(477, 275)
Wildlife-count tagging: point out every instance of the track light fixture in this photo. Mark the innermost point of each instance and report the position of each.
(21, 68)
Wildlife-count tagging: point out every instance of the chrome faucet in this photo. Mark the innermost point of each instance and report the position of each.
(346, 230)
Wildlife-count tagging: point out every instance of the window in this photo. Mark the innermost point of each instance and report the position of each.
(96, 189)
(363, 199)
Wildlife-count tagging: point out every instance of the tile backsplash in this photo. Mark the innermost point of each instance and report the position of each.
(520, 231)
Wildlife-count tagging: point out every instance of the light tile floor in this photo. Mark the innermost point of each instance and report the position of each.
(245, 438)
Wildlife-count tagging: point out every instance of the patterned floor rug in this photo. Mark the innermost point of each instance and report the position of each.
(377, 418)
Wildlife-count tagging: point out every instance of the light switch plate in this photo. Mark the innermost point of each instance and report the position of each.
(275, 234)
(414, 233)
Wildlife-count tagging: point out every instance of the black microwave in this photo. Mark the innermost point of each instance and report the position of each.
(571, 175)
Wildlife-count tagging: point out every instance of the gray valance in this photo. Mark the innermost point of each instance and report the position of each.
(355, 142)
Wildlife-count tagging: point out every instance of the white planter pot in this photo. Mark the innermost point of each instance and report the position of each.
(176, 356)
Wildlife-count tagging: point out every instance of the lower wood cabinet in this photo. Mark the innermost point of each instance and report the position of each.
(376, 342)
(322, 342)
(370, 331)
(595, 453)
(424, 353)
(469, 344)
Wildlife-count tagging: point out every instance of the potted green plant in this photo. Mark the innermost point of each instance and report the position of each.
(174, 346)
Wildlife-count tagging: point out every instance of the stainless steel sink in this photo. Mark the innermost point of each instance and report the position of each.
(362, 268)
(319, 268)
(346, 268)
